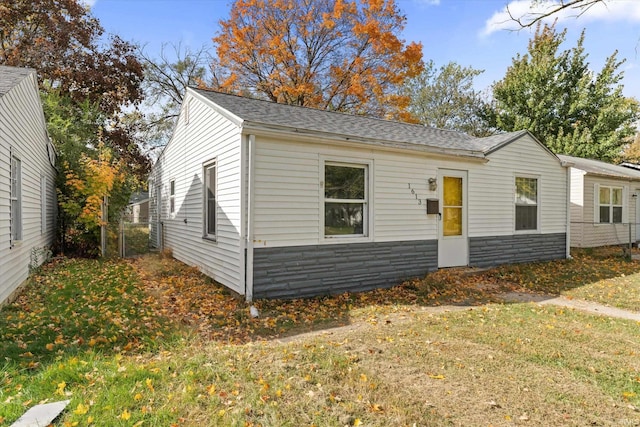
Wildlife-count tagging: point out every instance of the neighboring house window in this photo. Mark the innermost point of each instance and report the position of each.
(526, 204)
(210, 199)
(345, 199)
(16, 199)
(610, 202)
(43, 204)
(172, 197)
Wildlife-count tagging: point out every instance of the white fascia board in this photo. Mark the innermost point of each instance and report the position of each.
(347, 141)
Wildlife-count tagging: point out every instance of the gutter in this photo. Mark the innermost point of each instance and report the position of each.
(248, 281)
(333, 138)
(568, 210)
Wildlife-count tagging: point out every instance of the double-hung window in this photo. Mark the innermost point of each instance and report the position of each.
(15, 178)
(209, 173)
(610, 204)
(345, 199)
(526, 204)
(43, 204)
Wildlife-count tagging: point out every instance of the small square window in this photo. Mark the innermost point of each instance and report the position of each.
(610, 205)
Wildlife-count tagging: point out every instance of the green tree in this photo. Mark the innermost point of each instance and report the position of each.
(88, 170)
(569, 108)
(86, 79)
(445, 98)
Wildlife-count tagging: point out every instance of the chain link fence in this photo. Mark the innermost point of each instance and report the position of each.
(127, 239)
(588, 234)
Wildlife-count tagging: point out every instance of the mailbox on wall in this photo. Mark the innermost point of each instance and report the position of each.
(433, 206)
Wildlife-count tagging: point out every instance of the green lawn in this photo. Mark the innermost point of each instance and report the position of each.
(152, 342)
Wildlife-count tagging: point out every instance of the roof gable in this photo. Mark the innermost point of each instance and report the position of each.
(11, 77)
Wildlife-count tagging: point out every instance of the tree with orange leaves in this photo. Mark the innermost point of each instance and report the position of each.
(337, 55)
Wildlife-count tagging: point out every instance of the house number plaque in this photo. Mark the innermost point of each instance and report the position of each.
(415, 194)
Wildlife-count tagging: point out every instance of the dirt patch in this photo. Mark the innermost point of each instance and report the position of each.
(582, 305)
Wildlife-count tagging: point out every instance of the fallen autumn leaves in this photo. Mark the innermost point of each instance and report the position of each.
(186, 296)
(153, 342)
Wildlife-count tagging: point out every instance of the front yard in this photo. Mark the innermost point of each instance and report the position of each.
(152, 342)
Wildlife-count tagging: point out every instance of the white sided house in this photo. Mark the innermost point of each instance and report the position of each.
(604, 203)
(27, 179)
(279, 201)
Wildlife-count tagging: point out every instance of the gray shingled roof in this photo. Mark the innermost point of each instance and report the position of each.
(267, 113)
(11, 76)
(596, 167)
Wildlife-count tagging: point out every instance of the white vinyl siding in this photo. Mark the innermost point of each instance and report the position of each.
(23, 135)
(492, 189)
(588, 227)
(209, 135)
(590, 231)
(288, 180)
(577, 209)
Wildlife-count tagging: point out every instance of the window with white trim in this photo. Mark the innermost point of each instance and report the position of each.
(210, 208)
(345, 199)
(15, 178)
(610, 205)
(526, 204)
(172, 197)
(43, 204)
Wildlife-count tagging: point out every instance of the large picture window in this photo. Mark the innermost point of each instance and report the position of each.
(610, 203)
(345, 200)
(526, 204)
(210, 199)
(16, 198)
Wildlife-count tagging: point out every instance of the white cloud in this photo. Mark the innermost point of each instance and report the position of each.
(89, 3)
(609, 10)
(428, 2)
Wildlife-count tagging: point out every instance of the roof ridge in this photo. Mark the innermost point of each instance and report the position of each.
(342, 113)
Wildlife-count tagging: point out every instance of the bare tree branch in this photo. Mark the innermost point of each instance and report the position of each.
(532, 18)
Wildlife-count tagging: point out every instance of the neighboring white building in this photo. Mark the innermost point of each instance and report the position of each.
(137, 210)
(274, 200)
(604, 203)
(27, 179)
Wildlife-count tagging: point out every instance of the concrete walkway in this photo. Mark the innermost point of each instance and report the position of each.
(510, 297)
(586, 306)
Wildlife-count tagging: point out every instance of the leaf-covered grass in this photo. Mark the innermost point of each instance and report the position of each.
(601, 275)
(153, 342)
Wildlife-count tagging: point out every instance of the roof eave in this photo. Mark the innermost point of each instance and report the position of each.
(249, 127)
(611, 176)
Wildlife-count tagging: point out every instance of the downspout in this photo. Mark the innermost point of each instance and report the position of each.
(248, 291)
(568, 210)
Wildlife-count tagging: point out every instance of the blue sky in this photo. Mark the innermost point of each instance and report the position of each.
(470, 32)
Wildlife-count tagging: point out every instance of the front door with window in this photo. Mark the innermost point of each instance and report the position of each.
(453, 245)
